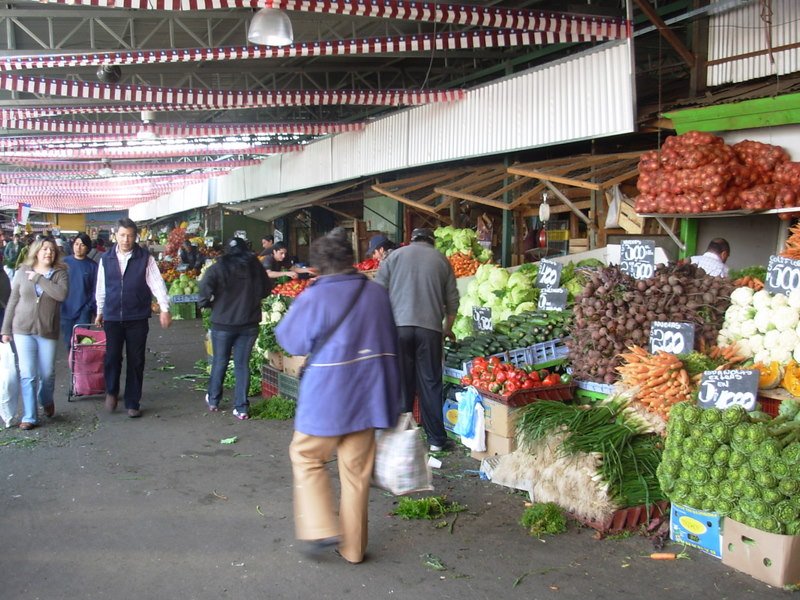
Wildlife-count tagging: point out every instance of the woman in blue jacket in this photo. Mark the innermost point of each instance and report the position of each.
(350, 387)
(79, 307)
(233, 287)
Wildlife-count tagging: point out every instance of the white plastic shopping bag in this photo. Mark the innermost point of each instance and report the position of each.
(9, 384)
(401, 459)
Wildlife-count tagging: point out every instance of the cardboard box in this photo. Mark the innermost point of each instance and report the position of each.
(769, 557)
(696, 528)
(275, 360)
(499, 418)
(209, 347)
(496, 445)
(450, 414)
(292, 364)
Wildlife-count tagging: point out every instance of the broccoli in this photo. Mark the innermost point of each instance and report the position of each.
(757, 432)
(691, 413)
(710, 490)
(718, 473)
(689, 444)
(737, 459)
(695, 500)
(771, 448)
(771, 525)
(789, 408)
(727, 490)
(683, 488)
(791, 453)
(760, 462)
(676, 415)
(748, 490)
(745, 473)
(670, 468)
(789, 486)
(722, 455)
(699, 475)
(677, 430)
(771, 496)
(721, 432)
(734, 415)
(739, 435)
(710, 417)
(785, 511)
(673, 454)
(685, 474)
(756, 508)
(779, 468)
(707, 443)
(737, 514)
(723, 507)
(766, 479)
(793, 528)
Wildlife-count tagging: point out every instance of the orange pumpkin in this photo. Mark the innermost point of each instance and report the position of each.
(791, 378)
(770, 376)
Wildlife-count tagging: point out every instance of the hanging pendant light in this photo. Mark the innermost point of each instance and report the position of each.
(270, 27)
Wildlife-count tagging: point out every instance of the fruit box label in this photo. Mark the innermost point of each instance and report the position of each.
(696, 528)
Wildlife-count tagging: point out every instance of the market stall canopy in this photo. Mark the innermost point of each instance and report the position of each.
(269, 209)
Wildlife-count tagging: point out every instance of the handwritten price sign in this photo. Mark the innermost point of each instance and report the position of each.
(783, 275)
(549, 275)
(552, 299)
(672, 337)
(481, 318)
(723, 389)
(638, 258)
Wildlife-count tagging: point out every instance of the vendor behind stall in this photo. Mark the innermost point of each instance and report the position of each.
(277, 265)
(190, 256)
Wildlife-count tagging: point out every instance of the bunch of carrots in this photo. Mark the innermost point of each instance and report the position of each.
(661, 378)
(464, 264)
(749, 281)
(664, 379)
(792, 249)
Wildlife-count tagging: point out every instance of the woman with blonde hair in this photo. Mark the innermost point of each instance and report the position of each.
(32, 320)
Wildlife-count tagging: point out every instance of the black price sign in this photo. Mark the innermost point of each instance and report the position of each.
(549, 274)
(783, 275)
(481, 318)
(552, 299)
(637, 258)
(723, 389)
(672, 337)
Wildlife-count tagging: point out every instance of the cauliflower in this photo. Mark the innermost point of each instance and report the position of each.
(274, 317)
(771, 339)
(279, 307)
(764, 320)
(743, 348)
(780, 355)
(747, 329)
(789, 339)
(734, 314)
(794, 298)
(742, 296)
(761, 299)
(796, 355)
(762, 356)
(785, 317)
(756, 343)
(778, 300)
(724, 337)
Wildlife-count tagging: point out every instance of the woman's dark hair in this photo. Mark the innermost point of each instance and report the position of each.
(238, 257)
(85, 240)
(332, 254)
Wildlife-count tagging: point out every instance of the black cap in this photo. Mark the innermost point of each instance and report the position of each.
(421, 234)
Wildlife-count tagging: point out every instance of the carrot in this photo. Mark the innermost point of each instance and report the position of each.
(663, 556)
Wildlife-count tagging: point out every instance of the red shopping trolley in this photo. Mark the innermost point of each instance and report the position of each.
(87, 352)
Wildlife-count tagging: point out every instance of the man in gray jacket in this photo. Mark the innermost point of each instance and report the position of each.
(422, 289)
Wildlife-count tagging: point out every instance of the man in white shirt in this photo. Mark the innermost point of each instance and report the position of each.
(715, 257)
(124, 316)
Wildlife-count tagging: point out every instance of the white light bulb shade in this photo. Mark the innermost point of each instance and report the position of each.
(270, 27)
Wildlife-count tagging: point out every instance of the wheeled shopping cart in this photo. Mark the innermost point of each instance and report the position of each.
(87, 352)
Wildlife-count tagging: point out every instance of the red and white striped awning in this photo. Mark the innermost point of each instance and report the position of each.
(64, 168)
(134, 152)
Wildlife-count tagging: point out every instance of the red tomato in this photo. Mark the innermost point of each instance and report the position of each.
(511, 387)
(527, 384)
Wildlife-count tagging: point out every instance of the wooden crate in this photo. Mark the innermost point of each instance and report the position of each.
(628, 219)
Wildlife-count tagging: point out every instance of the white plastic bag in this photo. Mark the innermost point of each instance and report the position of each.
(9, 384)
(614, 206)
(477, 442)
(401, 459)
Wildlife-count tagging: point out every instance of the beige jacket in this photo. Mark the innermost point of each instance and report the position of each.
(28, 314)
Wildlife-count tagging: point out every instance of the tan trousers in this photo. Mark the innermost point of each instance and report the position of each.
(314, 507)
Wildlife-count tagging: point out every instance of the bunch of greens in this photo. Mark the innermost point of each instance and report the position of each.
(630, 453)
(730, 462)
(277, 407)
(449, 240)
(430, 507)
(757, 271)
(542, 518)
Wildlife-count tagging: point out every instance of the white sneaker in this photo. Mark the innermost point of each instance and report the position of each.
(240, 416)
(436, 448)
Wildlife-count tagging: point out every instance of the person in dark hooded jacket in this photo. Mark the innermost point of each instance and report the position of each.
(233, 288)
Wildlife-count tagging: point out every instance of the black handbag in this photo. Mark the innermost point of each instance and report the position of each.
(331, 331)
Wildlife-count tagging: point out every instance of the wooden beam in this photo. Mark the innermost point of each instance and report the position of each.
(407, 201)
(473, 198)
(666, 32)
(573, 208)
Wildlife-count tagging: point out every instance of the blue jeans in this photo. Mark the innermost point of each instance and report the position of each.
(241, 343)
(37, 373)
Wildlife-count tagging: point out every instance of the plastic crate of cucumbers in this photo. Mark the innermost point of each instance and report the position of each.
(539, 333)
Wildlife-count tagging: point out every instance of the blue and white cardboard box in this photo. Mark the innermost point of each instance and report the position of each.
(697, 528)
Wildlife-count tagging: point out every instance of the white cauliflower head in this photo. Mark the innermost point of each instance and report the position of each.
(764, 320)
(785, 318)
(778, 300)
(742, 296)
(762, 299)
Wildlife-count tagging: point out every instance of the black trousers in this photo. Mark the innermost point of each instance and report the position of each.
(421, 372)
(132, 336)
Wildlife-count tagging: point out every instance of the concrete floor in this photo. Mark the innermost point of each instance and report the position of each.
(96, 505)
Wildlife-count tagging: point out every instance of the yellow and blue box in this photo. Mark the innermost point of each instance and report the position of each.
(696, 528)
(450, 413)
